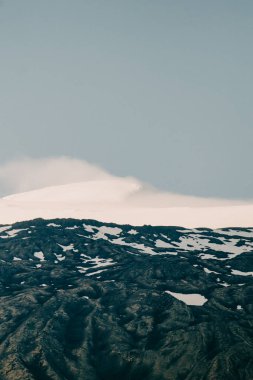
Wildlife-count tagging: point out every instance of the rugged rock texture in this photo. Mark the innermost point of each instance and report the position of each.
(88, 300)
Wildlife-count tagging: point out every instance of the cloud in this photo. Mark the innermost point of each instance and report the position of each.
(32, 173)
(64, 187)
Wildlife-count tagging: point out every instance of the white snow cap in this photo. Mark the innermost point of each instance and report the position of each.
(67, 188)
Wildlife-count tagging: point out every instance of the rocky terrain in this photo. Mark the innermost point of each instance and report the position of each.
(87, 300)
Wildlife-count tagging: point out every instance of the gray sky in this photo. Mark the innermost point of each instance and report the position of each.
(161, 90)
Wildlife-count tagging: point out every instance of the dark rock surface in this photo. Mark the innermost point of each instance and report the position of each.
(88, 300)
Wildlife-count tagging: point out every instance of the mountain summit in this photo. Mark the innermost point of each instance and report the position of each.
(123, 200)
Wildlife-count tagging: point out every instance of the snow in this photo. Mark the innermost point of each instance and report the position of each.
(101, 234)
(97, 272)
(140, 247)
(133, 232)
(162, 244)
(16, 259)
(88, 228)
(207, 256)
(103, 231)
(39, 255)
(81, 269)
(185, 243)
(99, 262)
(225, 284)
(66, 248)
(240, 273)
(210, 271)
(94, 263)
(247, 234)
(168, 253)
(189, 299)
(5, 228)
(59, 257)
(199, 242)
(239, 307)
(85, 256)
(12, 233)
(123, 201)
(53, 225)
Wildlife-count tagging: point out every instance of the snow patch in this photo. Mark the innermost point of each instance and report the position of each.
(72, 228)
(163, 244)
(133, 232)
(189, 299)
(104, 230)
(12, 233)
(225, 284)
(140, 247)
(210, 271)
(247, 234)
(39, 255)
(59, 257)
(88, 228)
(97, 272)
(240, 273)
(66, 248)
(5, 228)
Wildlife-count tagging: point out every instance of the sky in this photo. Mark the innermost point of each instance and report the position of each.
(158, 90)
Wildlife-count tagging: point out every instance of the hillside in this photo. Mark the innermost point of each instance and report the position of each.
(81, 299)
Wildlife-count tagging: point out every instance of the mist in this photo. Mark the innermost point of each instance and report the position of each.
(28, 174)
(34, 173)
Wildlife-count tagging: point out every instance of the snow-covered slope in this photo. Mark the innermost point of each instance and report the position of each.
(123, 201)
